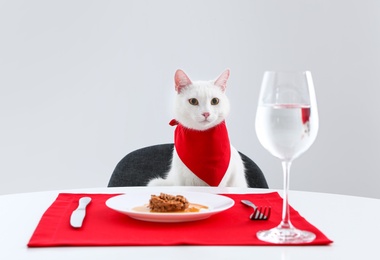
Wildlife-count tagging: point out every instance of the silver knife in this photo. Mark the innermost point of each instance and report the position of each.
(78, 215)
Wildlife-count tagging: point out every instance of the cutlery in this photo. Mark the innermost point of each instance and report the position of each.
(259, 213)
(79, 213)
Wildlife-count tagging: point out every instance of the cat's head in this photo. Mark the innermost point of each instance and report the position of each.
(201, 105)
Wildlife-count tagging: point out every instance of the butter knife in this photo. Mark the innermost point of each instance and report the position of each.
(78, 215)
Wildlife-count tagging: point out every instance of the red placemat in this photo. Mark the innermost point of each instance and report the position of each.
(106, 227)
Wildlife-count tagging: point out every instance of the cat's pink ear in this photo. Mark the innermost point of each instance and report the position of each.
(181, 80)
(222, 80)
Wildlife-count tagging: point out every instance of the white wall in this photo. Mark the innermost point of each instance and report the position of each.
(82, 83)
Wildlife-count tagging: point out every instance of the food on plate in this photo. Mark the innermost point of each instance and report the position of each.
(168, 203)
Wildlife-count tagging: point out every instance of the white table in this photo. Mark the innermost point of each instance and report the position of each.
(352, 222)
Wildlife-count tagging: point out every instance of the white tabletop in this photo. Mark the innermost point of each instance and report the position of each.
(353, 223)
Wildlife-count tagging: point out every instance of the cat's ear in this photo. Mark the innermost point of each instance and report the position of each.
(181, 80)
(222, 80)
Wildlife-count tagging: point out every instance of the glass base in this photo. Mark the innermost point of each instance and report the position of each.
(286, 236)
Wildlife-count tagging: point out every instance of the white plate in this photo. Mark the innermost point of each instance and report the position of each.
(127, 202)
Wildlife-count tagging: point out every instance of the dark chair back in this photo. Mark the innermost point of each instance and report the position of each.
(140, 166)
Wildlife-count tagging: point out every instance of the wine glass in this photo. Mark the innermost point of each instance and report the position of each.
(286, 125)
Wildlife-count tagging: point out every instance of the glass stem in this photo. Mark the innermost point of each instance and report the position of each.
(285, 223)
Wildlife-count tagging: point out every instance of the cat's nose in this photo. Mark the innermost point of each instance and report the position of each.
(206, 114)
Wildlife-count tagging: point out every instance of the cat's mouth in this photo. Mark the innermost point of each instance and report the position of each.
(206, 123)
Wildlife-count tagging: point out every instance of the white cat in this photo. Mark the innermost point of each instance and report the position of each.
(202, 154)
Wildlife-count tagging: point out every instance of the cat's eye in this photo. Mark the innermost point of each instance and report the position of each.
(193, 101)
(214, 101)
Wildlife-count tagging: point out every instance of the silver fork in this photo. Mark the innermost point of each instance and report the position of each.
(259, 213)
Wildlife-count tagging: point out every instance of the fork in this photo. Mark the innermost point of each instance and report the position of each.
(259, 213)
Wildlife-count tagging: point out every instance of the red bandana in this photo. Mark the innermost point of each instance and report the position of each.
(206, 153)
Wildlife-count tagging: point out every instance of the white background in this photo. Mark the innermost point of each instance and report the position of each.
(82, 83)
